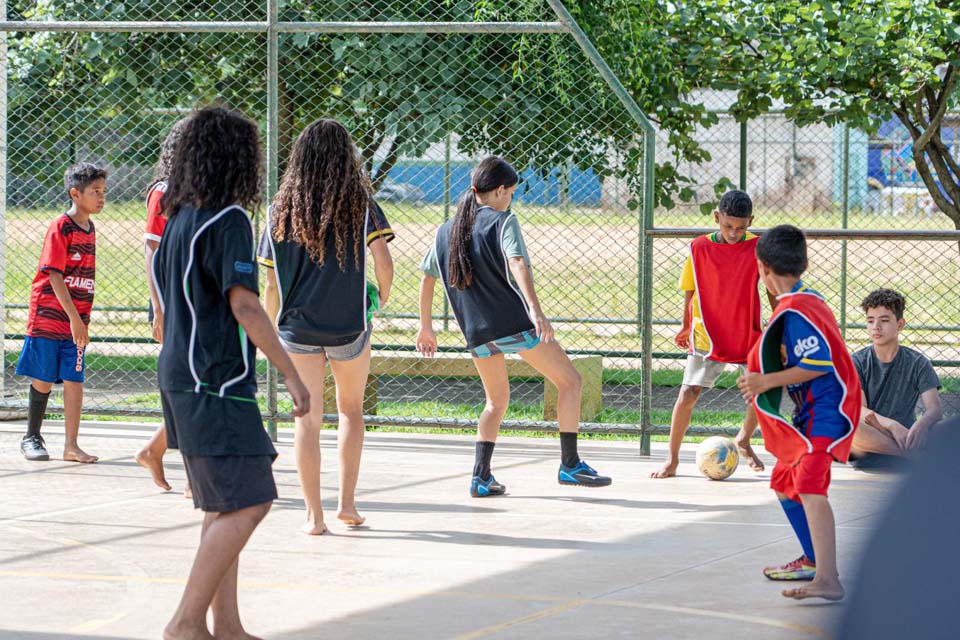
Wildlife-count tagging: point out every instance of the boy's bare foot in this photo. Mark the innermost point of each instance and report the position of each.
(748, 454)
(350, 517)
(154, 464)
(233, 634)
(828, 590)
(314, 528)
(668, 470)
(182, 631)
(76, 454)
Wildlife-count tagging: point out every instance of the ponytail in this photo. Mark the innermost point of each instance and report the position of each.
(491, 174)
(461, 271)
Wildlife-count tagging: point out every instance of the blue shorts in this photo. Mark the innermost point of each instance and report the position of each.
(523, 341)
(52, 360)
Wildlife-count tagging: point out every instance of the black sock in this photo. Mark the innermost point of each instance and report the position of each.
(38, 408)
(481, 465)
(568, 449)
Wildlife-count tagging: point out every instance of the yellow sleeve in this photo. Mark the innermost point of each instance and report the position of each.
(686, 277)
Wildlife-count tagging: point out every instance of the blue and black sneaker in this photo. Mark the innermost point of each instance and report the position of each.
(582, 475)
(486, 488)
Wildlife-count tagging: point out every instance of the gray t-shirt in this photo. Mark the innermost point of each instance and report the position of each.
(893, 389)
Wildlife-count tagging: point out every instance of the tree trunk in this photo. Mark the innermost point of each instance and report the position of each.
(388, 163)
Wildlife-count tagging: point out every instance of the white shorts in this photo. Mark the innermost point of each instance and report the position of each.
(702, 372)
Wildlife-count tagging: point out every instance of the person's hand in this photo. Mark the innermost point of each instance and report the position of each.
(682, 339)
(301, 397)
(79, 331)
(158, 326)
(426, 342)
(916, 438)
(543, 328)
(752, 384)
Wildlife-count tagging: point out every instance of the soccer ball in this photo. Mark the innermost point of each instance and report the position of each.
(717, 457)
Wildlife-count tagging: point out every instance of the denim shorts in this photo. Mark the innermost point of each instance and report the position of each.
(522, 341)
(340, 353)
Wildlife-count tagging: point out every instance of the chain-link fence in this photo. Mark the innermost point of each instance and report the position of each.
(426, 88)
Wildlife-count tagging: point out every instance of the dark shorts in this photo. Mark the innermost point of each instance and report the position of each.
(204, 424)
(809, 476)
(52, 360)
(221, 484)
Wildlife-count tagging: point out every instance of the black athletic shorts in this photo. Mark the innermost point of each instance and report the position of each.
(221, 484)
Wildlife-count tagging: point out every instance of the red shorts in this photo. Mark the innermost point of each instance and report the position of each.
(811, 475)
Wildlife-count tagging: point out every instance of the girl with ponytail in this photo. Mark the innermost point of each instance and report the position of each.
(482, 261)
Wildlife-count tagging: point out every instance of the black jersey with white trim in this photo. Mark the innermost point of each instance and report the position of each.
(492, 307)
(203, 254)
(322, 304)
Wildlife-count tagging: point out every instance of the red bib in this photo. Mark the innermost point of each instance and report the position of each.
(780, 437)
(726, 279)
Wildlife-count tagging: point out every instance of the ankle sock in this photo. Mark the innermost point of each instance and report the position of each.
(798, 520)
(481, 464)
(568, 449)
(37, 409)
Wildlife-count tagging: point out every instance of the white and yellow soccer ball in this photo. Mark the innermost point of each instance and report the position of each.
(717, 457)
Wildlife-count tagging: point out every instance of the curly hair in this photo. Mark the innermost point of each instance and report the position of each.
(161, 170)
(885, 298)
(324, 191)
(216, 163)
(81, 175)
(736, 203)
(492, 173)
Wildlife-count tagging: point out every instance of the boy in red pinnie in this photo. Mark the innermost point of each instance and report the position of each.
(801, 350)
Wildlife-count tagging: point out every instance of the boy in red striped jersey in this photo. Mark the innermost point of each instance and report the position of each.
(60, 301)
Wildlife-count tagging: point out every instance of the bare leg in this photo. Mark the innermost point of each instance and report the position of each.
(351, 377)
(679, 422)
(823, 530)
(72, 407)
(869, 439)
(151, 457)
(306, 442)
(551, 360)
(496, 387)
(224, 536)
(750, 423)
(226, 612)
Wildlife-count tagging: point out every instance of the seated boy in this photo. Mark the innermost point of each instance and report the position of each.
(893, 378)
(54, 350)
(801, 350)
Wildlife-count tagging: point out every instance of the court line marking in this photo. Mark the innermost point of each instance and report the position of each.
(562, 602)
(538, 615)
(95, 625)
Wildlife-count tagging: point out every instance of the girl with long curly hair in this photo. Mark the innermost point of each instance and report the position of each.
(319, 228)
(206, 274)
(482, 261)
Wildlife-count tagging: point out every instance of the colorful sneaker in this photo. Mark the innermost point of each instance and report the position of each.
(800, 569)
(486, 488)
(582, 475)
(32, 448)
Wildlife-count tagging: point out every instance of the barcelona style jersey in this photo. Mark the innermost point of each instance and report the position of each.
(70, 250)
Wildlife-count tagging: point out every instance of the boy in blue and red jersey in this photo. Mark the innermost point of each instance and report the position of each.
(60, 303)
(801, 350)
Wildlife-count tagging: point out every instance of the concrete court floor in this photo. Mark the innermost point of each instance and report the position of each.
(99, 552)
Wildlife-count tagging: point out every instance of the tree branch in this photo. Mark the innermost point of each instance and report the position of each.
(949, 208)
(392, 156)
(936, 119)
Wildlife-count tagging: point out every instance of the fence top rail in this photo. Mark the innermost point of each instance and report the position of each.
(284, 27)
(819, 234)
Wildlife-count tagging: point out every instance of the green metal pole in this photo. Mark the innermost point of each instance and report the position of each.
(845, 199)
(3, 192)
(446, 216)
(743, 156)
(645, 283)
(273, 141)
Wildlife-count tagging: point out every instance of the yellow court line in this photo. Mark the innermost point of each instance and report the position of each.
(95, 625)
(563, 604)
(539, 615)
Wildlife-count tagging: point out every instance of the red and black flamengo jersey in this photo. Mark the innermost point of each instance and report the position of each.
(72, 251)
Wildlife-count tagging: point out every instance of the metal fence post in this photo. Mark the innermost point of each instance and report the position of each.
(3, 198)
(845, 200)
(743, 156)
(646, 342)
(446, 216)
(273, 140)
